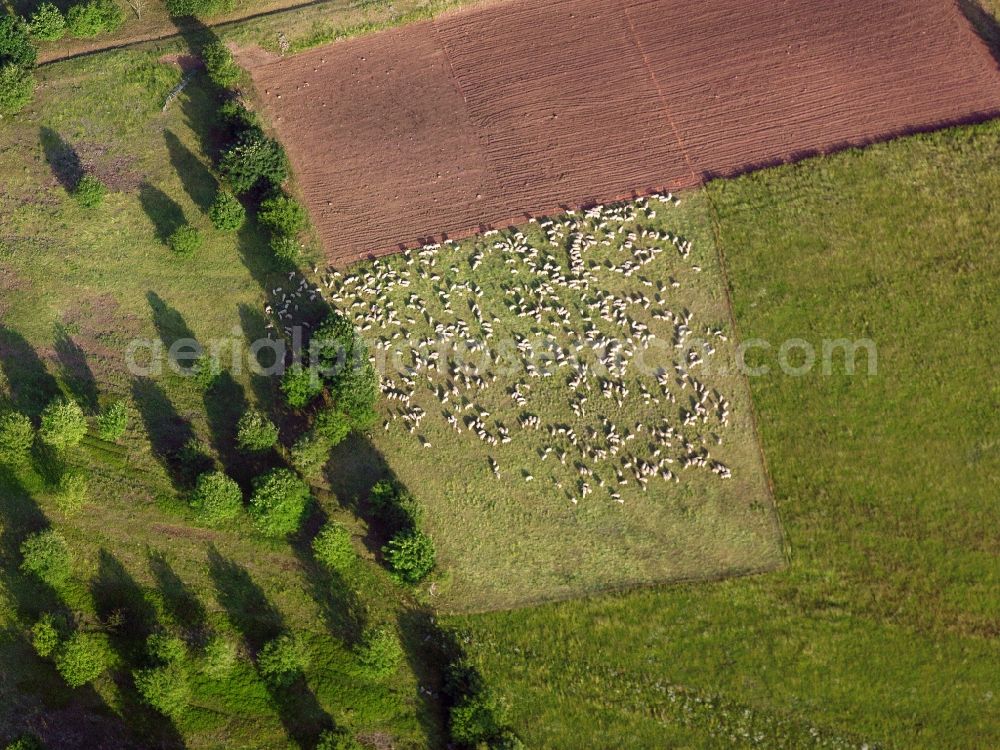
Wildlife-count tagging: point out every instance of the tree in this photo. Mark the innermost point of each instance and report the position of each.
(47, 24)
(300, 385)
(227, 213)
(113, 421)
(16, 437)
(410, 555)
(220, 65)
(285, 247)
(64, 424)
(164, 688)
(220, 657)
(217, 498)
(394, 508)
(164, 648)
(71, 494)
(185, 240)
(282, 215)
(45, 634)
(477, 720)
(92, 17)
(333, 425)
(278, 502)
(255, 432)
(46, 555)
(253, 160)
(333, 739)
(380, 652)
(89, 191)
(309, 454)
(333, 547)
(282, 660)
(17, 63)
(82, 658)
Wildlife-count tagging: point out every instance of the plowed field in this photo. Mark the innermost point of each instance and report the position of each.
(486, 115)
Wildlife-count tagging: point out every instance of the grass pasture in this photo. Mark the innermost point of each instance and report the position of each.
(883, 629)
(528, 314)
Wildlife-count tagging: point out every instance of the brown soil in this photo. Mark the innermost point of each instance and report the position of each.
(486, 115)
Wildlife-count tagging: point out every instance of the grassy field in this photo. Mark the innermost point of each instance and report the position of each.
(514, 322)
(884, 627)
(76, 285)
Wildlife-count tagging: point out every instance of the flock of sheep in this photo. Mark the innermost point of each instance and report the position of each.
(528, 342)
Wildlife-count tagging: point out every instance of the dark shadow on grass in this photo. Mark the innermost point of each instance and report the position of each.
(168, 432)
(265, 387)
(198, 182)
(258, 621)
(165, 213)
(30, 384)
(76, 372)
(179, 600)
(225, 403)
(171, 328)
(428, 651)
(63, 159)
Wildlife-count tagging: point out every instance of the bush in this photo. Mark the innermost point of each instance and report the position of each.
(217, 498)
(26, 742)
(220, 65)
(255, 432)
(82, 658)
(64, 424)
(164, 648)
(89, 191)
(284, 247)
(309, 455)
(380, 652)
(282, 660)
(236, 119)
(333, 739)
(410, 555)
(16, 88)
(478, 720)
(220, 657)
(179, 8)
(17, 62)
(207, 372)
(16, 437)
(47, 24)
(113, 421)
(46, 555)
(333, 425)
(185, 240)
(193, 460)
(394, 508)
(253, 160)
(227, 213)
(71, 494)
(282, 215)
(45, 635)
(278, 502)
(165, 689)
(300, 386)
(332, 546)
(92, 17)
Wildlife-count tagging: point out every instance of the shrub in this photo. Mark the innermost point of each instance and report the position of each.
(185, 240)
(63, 424)
(227, 213)
(217, 498)
(220, 65)
(410, 555)
(207, 371)
(476, 721)
(89, 191)
(380, 652)
(332, 424)
(17, 62)
(393, 507)
(47, 24)
(16, 88)
(283, 215)
(255, 432)
(285, 247)
(92, 17)
(333, 739)
(71, 494)
(82, 658)
(46, 555)
(45, 635)
(253, 160)
(165, 688)
(179, 8)
(309, 455)
(332, 546)
(16, 437)
(164, 648)
(193, 460)
(113, 421)
(278, 502)
(26, 742)
(236, 119)
(220, 657)
(282, 660)
(300, 386)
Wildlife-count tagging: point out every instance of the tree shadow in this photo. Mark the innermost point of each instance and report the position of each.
(130, 618)
(264, 387)
(258, 622)
(30, 384)
(169, 433)
(76, 372)
(171, 327)
(984, 23)
(179, 600)
(225, 403)
(165, 213)
(198, 182)
(63, 159)
(429, 650)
